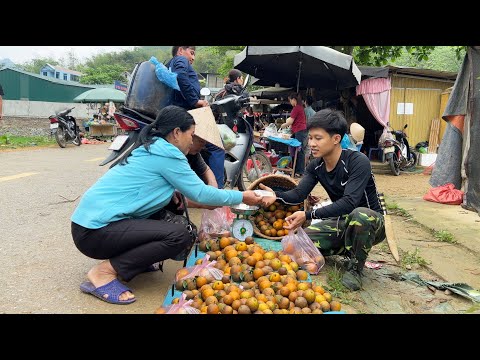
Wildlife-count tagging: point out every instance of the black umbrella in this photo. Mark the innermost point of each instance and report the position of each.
(299, 66)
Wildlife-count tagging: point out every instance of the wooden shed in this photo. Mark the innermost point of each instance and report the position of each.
(416, 98)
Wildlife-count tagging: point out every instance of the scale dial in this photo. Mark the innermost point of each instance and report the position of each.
(241, 228)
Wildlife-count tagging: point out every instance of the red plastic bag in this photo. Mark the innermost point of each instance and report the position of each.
(445, 194)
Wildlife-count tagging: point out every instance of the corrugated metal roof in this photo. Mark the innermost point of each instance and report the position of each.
(405, 70)
(66, 70)
(53, 80)
(387, 70)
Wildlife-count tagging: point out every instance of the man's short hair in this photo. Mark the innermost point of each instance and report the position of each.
(175, 49)
(332, 121)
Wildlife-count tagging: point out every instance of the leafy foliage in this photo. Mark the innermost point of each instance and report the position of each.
(107, 67)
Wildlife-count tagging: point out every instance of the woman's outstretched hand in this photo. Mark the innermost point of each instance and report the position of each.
(251, 198)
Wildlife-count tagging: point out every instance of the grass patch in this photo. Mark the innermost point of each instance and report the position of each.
(13, 142)
(394, 209)
(444, 236)
(335, 286)
(413, 258)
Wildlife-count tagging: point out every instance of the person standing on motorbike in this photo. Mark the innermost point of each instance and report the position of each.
(298, 123)
(189, 98)
(353, 223)
(120, 217)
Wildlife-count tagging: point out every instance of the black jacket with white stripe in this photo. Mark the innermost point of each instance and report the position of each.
(349, 185)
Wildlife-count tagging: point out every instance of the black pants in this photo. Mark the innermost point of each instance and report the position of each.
(132, 245)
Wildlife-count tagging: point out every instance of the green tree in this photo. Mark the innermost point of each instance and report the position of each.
(442, 58)
(103, 74)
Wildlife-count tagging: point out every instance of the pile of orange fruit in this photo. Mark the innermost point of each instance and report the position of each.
(254, 281)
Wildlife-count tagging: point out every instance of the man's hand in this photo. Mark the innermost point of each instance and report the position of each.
(267, 200)
(251, 198)
(201, 103)
(312, 199)
(295, 220)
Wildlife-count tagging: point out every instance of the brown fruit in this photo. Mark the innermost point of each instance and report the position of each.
(249, 240)
(335, 305)
(244, 309)
(301, 302)
(212, 309)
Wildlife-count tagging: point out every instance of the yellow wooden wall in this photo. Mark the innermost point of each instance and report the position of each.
(425, 96)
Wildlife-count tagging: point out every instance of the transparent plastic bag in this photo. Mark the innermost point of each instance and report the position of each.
(271, 130)
(216, 223)
(301, 249)
(206, 269)
(165, 75)
(229, 138)
(386, 135)
(182, 307)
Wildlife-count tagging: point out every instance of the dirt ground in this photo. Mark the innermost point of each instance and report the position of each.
(383, 290)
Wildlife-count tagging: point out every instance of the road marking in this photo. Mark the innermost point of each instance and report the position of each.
(18, 176)
(95, 159)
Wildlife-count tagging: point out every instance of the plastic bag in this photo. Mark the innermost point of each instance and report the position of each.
(229, 138)
(270, 130)
(206, 269)
(386, 135)
(165, 75)
(301, 249)
(216, 223)
(445, 194)
(182, 307)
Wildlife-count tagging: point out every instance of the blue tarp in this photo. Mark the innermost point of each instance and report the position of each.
(290, 142)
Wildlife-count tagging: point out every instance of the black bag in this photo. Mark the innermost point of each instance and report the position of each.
(169, 216)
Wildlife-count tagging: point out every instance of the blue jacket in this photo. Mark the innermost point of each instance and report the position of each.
(144, 185)
(187, 81)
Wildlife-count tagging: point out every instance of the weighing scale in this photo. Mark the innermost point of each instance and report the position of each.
(242, 227)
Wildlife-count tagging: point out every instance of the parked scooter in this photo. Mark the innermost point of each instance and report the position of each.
(65, 128)
(397, 152)
(246, 161)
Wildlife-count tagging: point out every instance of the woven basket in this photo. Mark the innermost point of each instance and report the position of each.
(276, 183)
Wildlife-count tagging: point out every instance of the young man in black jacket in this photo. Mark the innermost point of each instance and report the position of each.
(353, 223)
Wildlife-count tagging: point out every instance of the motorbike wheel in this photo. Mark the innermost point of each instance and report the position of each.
(413, 159)
(393, 161)
(77, 141)
(60, 137)
(247, 177)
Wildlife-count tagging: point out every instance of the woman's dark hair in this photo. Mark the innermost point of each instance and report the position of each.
(168, 119)
(175, 49)
(295, 96)
(309, 100)
(233, 75)
(332, 121)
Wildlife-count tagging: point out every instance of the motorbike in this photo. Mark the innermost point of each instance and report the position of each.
(246, 161)
(398, 152)
(65, 128)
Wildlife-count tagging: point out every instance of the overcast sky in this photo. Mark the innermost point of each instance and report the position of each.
(21, 54)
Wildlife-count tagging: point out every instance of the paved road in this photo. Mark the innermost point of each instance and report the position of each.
(41, 267)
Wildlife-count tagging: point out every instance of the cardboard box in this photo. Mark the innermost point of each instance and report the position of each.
(103, 130)
(427, 159)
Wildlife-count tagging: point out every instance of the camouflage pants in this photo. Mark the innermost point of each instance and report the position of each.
(353, 234)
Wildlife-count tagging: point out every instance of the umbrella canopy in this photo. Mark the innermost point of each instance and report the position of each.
(101, 95)
(299, 66)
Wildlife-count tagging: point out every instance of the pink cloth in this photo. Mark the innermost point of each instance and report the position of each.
(376, 93)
